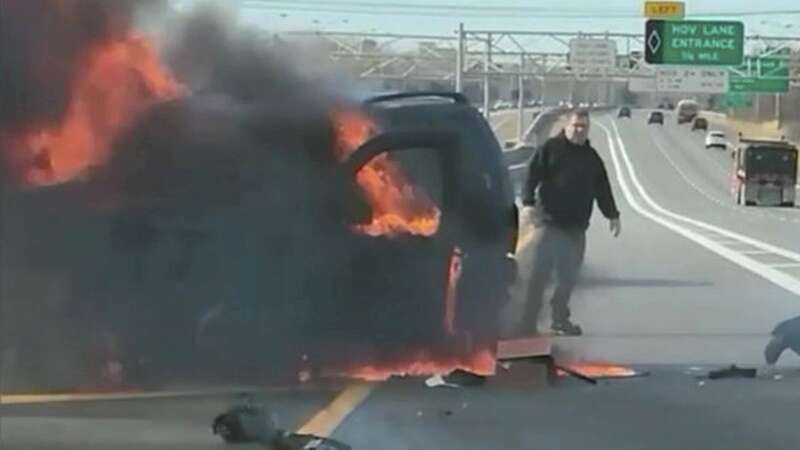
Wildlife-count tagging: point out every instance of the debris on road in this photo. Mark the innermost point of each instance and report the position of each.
(438, 381)
(732, 372)
(591, 372)
(460, 377)
(251, 422)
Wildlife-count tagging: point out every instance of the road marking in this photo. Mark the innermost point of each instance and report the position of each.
(22, 399)
(325, 422)
(785, 265)
(714, 199)
(725, 232)
(518, 166)
(777, 277)
(755, 252)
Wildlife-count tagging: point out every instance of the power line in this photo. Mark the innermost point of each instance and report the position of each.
(449, 9)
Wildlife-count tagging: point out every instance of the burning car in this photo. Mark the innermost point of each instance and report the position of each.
(195, 227)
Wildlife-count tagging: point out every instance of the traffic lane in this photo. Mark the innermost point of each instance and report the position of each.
(715, 167)
(724, 159)
(163, 424)
(666, 410)
(504, 123)
(653, 296)
(674, 182)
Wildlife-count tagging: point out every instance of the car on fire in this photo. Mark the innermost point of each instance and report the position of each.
(764, 172)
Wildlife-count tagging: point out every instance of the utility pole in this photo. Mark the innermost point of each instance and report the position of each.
(521, 100)
(487, 60)
(460, 59)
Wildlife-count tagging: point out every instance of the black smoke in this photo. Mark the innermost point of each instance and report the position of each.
(217, 241)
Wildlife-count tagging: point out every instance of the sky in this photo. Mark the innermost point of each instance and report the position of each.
(441, 17)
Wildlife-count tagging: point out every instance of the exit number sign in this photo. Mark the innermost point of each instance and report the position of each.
(694, 42)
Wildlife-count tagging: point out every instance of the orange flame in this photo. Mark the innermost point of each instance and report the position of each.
(117, 80)
(397, 206)
(424, 364)
(600, 370)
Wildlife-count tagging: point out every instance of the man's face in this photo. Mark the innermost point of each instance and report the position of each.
(577, 129)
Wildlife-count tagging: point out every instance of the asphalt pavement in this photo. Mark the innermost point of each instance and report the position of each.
(171, 422)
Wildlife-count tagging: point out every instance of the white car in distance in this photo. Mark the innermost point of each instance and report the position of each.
(716, 139)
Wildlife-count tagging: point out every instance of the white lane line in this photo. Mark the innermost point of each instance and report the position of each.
(518, 166)
(785, 265)
(681, 218)
(775, 276)
(755, 252)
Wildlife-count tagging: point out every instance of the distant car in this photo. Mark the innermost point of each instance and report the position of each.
(700, 123)
(656, 117)
(716, 139)
(624, 112)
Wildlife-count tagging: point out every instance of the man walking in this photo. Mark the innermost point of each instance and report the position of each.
(565, 177)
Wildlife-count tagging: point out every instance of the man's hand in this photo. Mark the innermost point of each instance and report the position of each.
(535, 215)
(615, 226)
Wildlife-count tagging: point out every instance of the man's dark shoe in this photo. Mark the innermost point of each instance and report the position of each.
(566, 328)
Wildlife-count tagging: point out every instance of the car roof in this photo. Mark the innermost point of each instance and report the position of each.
(414, 98)
(716, 133)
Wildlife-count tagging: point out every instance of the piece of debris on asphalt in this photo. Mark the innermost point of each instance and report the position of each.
(592, 372)
(438, 381)
(732, 372)
(447, 413)
(245, 421)
(701, 383)
(250, 422)
(778, 377)
(460, 377)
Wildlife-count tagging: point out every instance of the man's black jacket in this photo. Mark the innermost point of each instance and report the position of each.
(569, 178)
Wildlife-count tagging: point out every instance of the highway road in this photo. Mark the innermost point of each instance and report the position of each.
(178, 420)
(694, 282)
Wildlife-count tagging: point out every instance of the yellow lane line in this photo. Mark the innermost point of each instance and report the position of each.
(21, 399)
(325, 422)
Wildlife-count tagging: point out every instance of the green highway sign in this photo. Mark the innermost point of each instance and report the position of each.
(694, 42)
(767, 74)
(736, 100)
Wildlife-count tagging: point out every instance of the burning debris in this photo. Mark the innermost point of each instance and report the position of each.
(194, 205)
